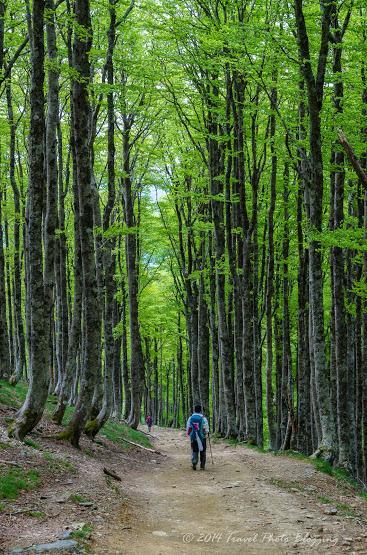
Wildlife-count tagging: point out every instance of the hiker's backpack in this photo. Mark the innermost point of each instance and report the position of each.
(197, 427)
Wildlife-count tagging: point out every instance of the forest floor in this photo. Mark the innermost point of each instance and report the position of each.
(247, 502)
(50, 491)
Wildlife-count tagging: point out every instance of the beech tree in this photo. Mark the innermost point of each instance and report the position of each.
(38, 310)
(183, 218)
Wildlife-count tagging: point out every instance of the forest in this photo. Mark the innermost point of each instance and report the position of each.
(183, 217)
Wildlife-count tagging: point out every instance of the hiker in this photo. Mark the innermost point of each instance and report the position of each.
(197, 428)
(149, 422)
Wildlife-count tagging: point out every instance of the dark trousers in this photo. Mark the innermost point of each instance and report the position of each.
(195, 453)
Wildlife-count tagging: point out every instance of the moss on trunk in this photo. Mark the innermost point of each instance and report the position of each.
(91, 428)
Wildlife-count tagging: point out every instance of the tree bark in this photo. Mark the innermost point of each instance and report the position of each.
(136, 356)
(216, 189)
(270, 277)
(18, 318)
(203, 349)
(94, 426)
(32, 409)
(314, 186)
(344, 418)
(92, 332)
(4, 339)
(51, 173)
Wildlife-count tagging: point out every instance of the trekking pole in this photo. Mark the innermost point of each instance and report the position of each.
(210, 447)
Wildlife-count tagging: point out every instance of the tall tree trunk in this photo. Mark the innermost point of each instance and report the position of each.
(5, 369)
(136, 352)
(235, 222)
(76, 321)
(193, 339)
(216, 188)
(91, 313)
(156, 382)
(214, 339)
(32, 409)
(278, 341)
(288, 423)
(51, 172)
(117, 366)
(180, 367)
(4, 339)
(61, 273)
(18, 318)
(304, 408)
(344, 418)
(203, 348)
(94, 426)
(248, 335)
(364, 269)
(125, 365)
(9, 294)
(270, 277)
(314, 186)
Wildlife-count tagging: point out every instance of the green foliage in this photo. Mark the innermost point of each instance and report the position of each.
(172, 57)
(346, 509)
(250, 445)
(290, 453)
(347, 238)
(343, 508)
(49, 457)
(324, 500)
(12, 396)
(236, 443)
(36, 514)
(114, 431)
(16, 480)
(83, 533)
(57, 461)
(32, 443)
(323, 466)
(79, 498)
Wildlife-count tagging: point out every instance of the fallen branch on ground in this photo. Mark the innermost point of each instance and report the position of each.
(140, 446)
(112, 474)
(11, 463)
(25, 511)
(148, 434)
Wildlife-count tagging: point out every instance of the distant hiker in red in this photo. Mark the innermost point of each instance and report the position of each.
(197, 428)
(149, 422)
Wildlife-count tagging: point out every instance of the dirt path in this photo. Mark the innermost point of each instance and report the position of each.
(247, 502)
